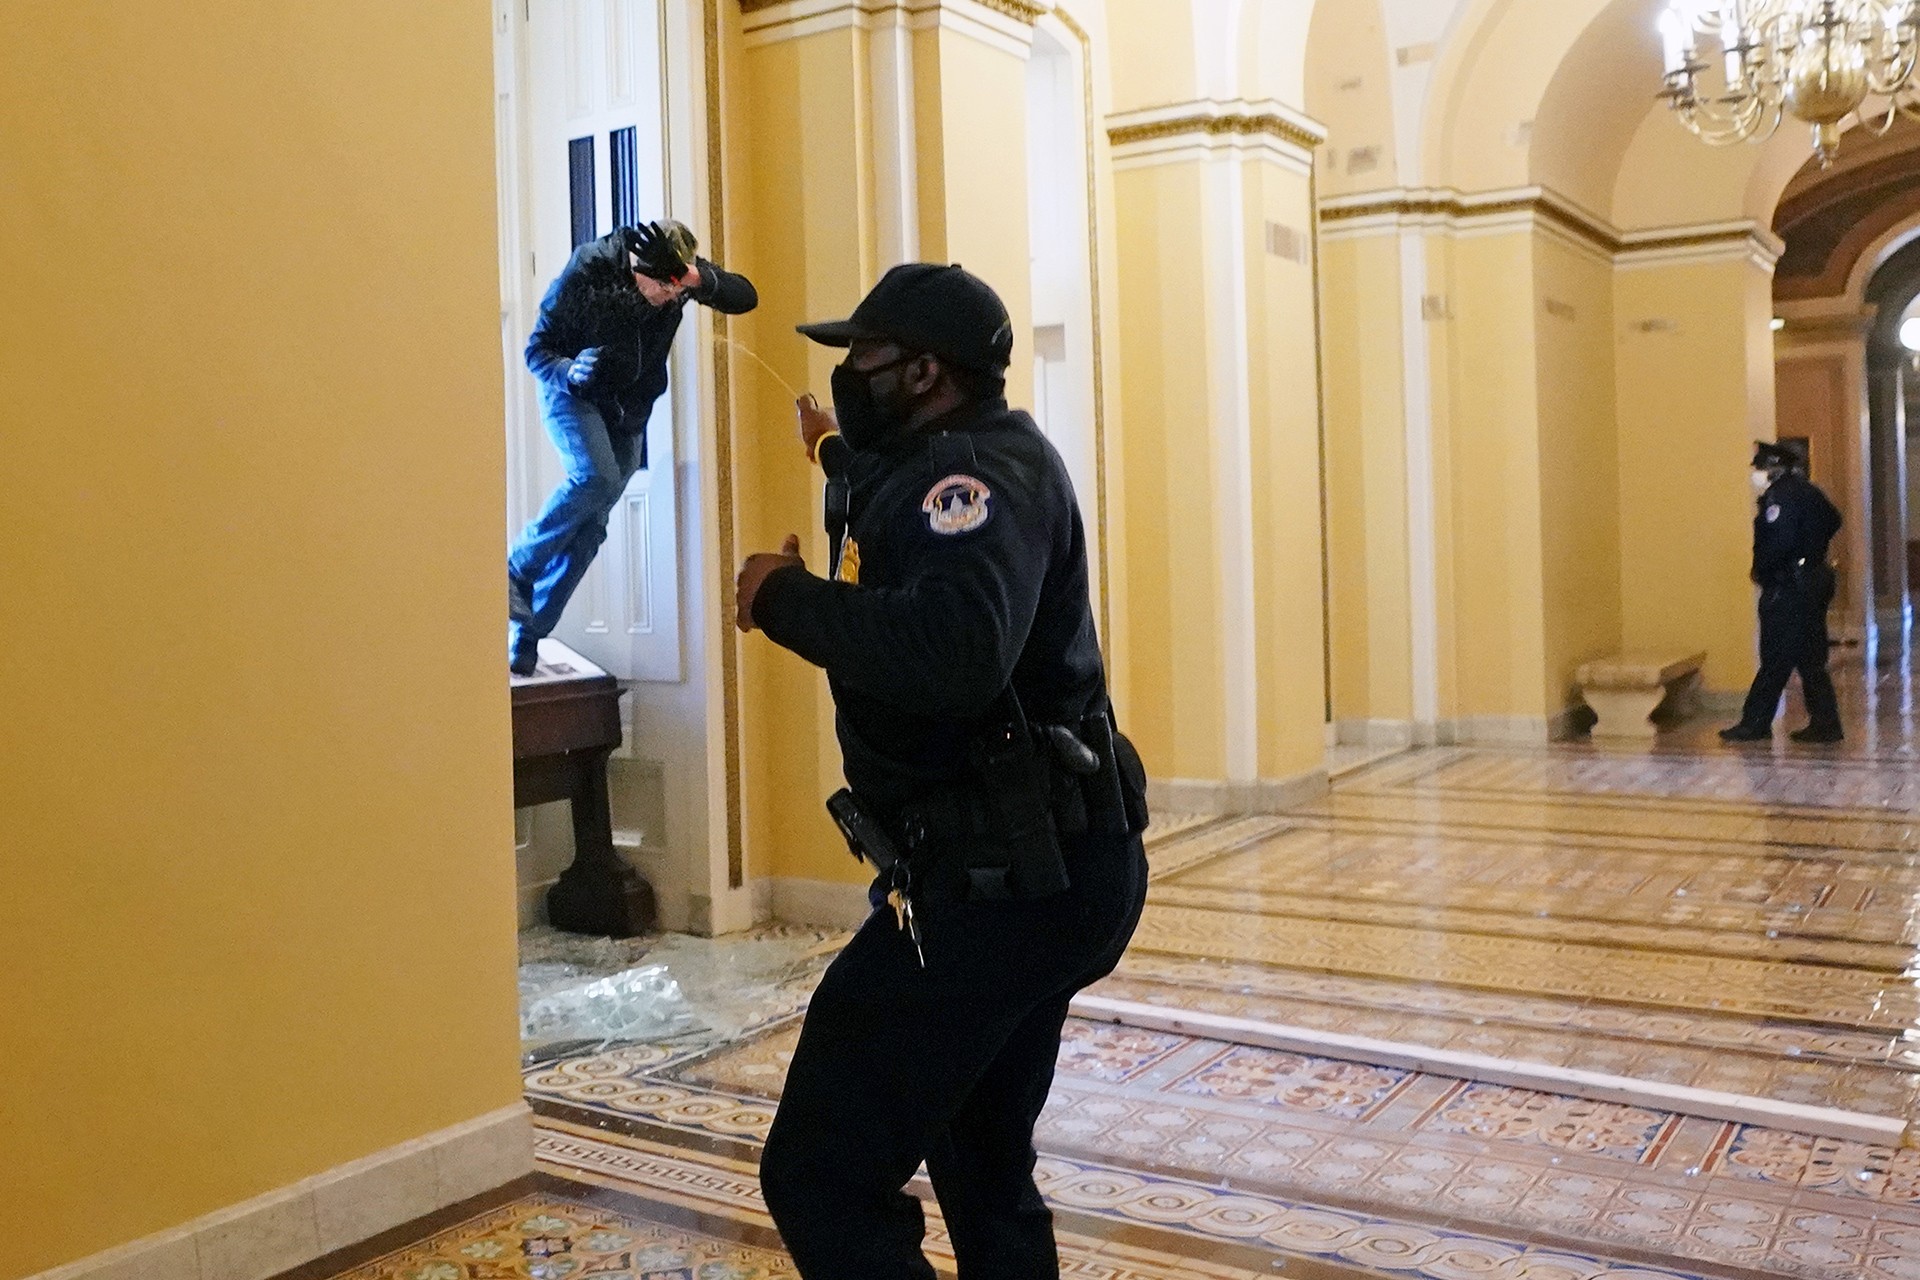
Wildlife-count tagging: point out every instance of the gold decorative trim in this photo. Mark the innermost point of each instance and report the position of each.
(1266, 123)
(728, 534)
(1100, 499)
(1018, 10)
(1544, 207)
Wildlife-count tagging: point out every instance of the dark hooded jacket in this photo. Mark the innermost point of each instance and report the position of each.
(595, 303)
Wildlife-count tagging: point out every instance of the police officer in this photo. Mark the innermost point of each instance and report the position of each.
(599, 350)
(958, 639)
(1791, 530)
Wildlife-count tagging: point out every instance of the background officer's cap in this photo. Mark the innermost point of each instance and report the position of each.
(1767, 455)
(922, 306)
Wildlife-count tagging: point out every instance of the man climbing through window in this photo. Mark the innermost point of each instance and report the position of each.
(599, 350)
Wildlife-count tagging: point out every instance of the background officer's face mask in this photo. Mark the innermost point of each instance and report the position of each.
(1762, 481)
(866, 420)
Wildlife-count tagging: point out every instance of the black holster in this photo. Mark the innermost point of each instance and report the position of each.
(999, 838)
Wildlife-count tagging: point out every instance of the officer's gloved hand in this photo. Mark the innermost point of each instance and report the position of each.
(581, 373)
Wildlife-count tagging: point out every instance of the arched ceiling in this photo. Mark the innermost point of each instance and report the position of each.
(1595, 103)
(1350, 92)
(1563, 95)
(1830, 218)
(1482, 95)
(1174, 51)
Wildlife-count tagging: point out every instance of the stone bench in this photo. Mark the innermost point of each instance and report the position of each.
(1626, 690)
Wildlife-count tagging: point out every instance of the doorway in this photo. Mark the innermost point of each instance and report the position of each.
(1065, 394)
(584, 144)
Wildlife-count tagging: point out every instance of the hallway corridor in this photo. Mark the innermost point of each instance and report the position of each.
(1550, 1014)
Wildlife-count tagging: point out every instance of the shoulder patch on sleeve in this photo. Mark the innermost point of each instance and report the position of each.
(957, 504)
(1773, 513)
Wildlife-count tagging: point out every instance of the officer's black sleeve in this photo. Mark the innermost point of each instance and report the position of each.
(1776, 540)
(725, 291)
(834, 454)
(944, 642)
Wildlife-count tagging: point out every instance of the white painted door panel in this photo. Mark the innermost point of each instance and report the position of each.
(592, 79)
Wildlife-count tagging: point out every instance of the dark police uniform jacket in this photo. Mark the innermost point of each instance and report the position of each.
(1791, 529)
(595, 303)
(965, 568)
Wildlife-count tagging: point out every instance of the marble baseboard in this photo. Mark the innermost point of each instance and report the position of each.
(1512, 731)
(296, 1224)
(1374, 733)
(828, 904)
(1209, 796)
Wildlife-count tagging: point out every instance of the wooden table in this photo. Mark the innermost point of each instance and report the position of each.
(566, 722)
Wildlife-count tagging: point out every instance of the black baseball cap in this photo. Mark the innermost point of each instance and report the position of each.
(943, 310)
(1767, 455)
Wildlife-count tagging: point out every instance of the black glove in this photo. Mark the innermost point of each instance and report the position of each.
(663, 250)
(580, 374)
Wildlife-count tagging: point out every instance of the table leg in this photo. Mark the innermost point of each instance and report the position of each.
(600, 893)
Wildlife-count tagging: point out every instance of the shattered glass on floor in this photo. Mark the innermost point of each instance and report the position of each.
(583, 995)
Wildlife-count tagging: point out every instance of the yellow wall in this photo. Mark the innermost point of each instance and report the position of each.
(1367, 480)
(1493, 463)
(971, 110)
(807, 238)
(1153, 50)
(1579, 463)
(1285, 461)
(256, 726)
(1695, 389)
(1670, 179)
(1349, 93)
(1177, 717)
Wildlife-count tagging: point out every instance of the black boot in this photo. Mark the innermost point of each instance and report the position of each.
(523, 658)
(1744, 732)
(1819, 735)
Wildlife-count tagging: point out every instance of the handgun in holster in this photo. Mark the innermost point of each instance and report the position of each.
(1099, 786)
(1019, 855)
(867, 839)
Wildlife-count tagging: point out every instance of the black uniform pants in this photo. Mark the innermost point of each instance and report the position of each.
(950, 1065)
(1793, 637)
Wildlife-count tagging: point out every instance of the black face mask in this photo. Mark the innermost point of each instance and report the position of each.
(865, 421)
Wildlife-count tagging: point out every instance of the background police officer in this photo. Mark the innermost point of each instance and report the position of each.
(1791, 530)
(957, 633)
(600, 351)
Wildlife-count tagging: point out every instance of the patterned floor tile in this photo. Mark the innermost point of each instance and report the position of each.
(1264, 1076)
(1685, 916)
(1851, 998)
(1496, 1112)
(552, 1237)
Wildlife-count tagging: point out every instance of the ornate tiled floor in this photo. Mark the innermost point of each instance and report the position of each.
(1229, 1142)
(1699, 944)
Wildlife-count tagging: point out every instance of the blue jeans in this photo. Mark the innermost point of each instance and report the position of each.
(554, 551)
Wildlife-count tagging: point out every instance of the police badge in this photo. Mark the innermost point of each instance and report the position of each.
(956, 505)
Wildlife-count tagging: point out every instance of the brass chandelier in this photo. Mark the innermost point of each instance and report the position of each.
(1821, 61)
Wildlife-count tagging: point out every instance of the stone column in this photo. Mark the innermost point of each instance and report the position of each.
(1219, 382)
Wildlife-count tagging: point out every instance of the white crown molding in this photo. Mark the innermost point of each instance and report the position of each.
(1212, 129)
(1446, 211)
(1005, 25)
